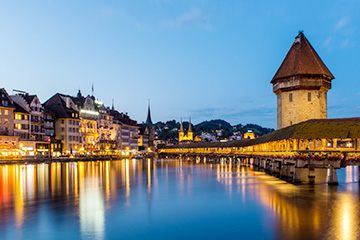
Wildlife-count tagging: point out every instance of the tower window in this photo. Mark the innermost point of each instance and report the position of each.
(290, 97)
(309, 96)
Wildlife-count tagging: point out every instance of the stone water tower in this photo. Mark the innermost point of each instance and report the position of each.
(301, 84)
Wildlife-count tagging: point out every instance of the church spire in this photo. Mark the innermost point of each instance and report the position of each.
(190, 130)
(181, 126)
(148, 119)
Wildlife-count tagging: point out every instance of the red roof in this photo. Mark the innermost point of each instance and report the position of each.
(302, 59)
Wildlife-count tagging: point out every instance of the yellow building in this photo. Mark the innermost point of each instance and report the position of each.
(249, 135)
(189, 136)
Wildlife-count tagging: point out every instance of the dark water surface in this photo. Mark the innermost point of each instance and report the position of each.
(170, 199)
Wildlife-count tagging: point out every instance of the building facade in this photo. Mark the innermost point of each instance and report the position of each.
(67, 122)
(301, 84)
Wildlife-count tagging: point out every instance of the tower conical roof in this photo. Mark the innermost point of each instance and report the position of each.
(148, 119)
(190, 130)
(302, 59)
(181, 126)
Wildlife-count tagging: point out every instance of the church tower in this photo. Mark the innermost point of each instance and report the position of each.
(181, 132)
(190, 132)
(189, 136)
(301, 84)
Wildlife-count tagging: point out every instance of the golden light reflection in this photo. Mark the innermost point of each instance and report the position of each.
(344, 218)
(95, 185)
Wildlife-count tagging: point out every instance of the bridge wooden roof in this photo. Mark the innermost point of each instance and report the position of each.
(341, 128)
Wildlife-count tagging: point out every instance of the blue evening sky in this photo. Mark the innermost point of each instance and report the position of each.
(198, 58)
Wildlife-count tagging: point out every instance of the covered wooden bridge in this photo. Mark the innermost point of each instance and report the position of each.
(320, 143)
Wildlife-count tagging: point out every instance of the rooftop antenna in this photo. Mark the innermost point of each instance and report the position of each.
(112, 104)
(92, 89)
(19, 91)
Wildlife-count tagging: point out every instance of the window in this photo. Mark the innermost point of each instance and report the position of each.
(69, 129)
(62, 129)
(62, 121)
(290, 97)
(62, 137)
(69, 121)
(6, 112)
(69, 138)
(309, 96)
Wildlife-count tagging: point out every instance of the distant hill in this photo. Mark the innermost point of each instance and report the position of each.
(169, 130)
(258, 130)
(213, 125)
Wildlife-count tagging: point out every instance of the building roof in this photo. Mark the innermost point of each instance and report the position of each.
(19, 108)
(340, 128)
(5, 99)
(123, 118)
(57, 105)
(143, 129)
(302, 60)
(29, 98)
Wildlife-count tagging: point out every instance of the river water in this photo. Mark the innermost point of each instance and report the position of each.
(171, 199)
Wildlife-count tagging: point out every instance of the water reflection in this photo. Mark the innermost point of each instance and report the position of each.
(92, 199)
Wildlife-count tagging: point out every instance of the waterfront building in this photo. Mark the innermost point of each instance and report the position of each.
(8, 141)
(29, 124)
(36, 117)
(301, 84)
(186, 137)
(67, 122)
(89, 116)
(6, 114)
(126, 130)
(21, 118)
(105, 127)
(143, 136)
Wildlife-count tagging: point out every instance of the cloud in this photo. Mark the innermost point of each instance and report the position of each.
(327, 42)
(193, 18)
(347, 43)
(341, 23)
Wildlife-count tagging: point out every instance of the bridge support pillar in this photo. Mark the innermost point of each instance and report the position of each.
(332, 176)
(289, 172)
(283, 171)
(311, 175)
(296, 176)
(276, 168)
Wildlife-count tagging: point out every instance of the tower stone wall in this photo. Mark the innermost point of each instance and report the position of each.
(300, 105)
